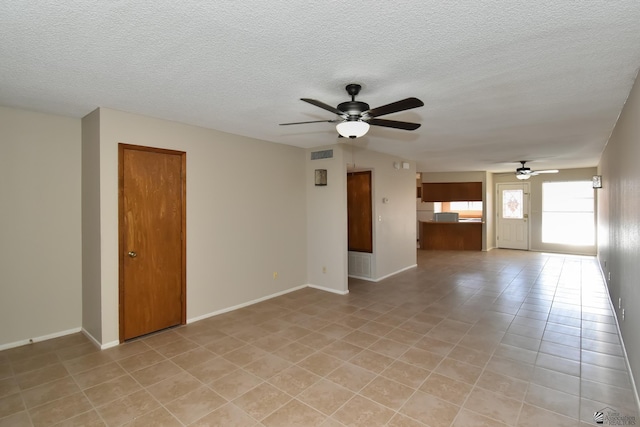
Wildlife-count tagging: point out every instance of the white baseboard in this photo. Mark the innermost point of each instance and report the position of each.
(40, 338)
(369, 279)
(245, 304)
(97, 343)
(333, 291)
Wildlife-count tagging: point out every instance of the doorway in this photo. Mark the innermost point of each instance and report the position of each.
(513, 216)
(359, 212)
(152, 231)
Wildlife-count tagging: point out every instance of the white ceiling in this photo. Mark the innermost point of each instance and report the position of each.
(501, 80)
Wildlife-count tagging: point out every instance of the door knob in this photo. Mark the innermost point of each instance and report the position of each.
(132, 254)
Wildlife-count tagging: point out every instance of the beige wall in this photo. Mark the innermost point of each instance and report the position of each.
(246, 214)
(394, 222)
(619, 222)
(91, 250)
(40, 247)
(327, 222)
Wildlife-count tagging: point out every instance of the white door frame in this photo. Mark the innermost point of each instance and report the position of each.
(524, 224)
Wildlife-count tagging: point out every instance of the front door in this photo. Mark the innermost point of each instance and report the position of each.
(513, 216)
(152, 247)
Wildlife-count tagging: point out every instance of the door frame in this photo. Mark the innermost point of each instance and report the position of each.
(526, 188)
(121, 229)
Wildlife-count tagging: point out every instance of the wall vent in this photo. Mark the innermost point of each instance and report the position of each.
(324, 154)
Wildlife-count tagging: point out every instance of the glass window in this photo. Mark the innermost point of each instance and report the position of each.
(466, 206)
(512, 204)
(568, 213)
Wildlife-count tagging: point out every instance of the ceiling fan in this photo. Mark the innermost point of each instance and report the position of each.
(524, 172)
(356, 116)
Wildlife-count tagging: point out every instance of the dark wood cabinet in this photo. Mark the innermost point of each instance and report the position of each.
(459, 236)
(452, 192)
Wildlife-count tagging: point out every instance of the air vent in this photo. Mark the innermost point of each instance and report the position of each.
(325, 154)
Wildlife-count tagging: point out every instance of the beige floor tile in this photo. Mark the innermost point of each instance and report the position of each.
(342, 349)
(404, 373)
(294, 380)
(53, 390)
(235, 384)
(195, 404)
(372, 361)
(193, 357)
(493, 405)
(141, 360)
(553, 400)
(459, 371)
(11, 404)
(400, 420)
(468, 418)
(351, 377)
(98, 375)
(325, 396)
(533, 416)
(227, 415)
(387, 392)
(320, 363)
(37, 377)
(446, 388)
(262, 400)
(430, 410)
(362, 412)
(212, 369)
(60, 410)
(502, 384)
(117, 388)
(86, 362)
(86, 419)
(462, 328)
(174, 387)
(156, 373)
(128, 408)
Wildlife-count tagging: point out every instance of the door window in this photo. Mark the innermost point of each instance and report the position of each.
(512, 204)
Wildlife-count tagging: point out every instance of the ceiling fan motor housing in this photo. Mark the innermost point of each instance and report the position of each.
(353, 108)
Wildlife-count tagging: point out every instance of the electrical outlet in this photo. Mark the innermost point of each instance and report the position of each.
(324, 269)
(275, 275)
(623, 314)
(609, 276)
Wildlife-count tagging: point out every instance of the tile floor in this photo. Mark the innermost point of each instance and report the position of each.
(504, 338)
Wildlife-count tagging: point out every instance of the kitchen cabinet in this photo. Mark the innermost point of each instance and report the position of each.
(452, 192)
(459, 236)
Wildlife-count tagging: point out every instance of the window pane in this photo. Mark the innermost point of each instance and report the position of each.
(512, 204)
(568, 213)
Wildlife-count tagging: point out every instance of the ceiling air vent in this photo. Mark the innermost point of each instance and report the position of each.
(325, 154)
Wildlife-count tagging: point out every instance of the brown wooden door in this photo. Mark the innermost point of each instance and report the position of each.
(359, 211)
(152, 247)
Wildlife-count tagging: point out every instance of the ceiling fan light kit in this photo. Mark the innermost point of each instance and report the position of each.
(355, 117)
(352, 128)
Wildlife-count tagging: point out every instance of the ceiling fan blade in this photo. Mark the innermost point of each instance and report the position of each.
(312, 121)
(547, 171)
(405, 104)
(394, 124)
(323, 106)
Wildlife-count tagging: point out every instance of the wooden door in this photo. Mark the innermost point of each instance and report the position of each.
(359, 212)
(152, 245)
(513, 216)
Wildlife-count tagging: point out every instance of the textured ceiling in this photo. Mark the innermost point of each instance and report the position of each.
(501, 80)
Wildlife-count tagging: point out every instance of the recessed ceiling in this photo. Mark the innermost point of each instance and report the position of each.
(501, 81)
